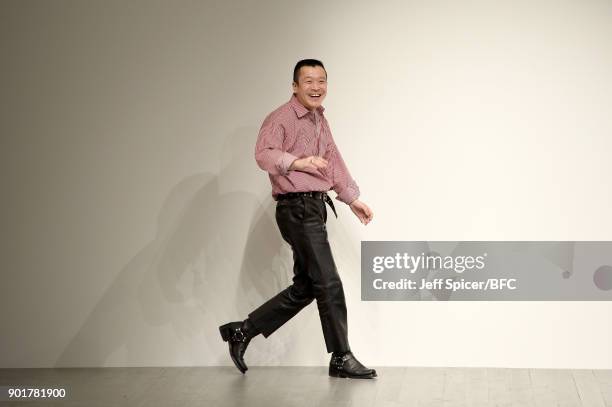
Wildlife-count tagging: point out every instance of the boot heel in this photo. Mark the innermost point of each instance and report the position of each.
(335, 373)
(227, 330)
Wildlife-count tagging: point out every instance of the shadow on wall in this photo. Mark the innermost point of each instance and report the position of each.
(216, 255)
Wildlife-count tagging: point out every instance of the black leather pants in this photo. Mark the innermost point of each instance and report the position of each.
(301, 221)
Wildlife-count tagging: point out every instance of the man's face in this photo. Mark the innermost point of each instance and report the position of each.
(311, 87)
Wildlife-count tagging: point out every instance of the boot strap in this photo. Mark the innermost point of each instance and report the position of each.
(339, 360)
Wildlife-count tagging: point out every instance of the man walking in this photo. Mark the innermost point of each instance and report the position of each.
(296, 148)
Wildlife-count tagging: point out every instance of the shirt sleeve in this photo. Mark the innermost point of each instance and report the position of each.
(268, 149)
(343, 184)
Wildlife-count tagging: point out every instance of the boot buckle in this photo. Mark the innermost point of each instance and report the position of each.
(238, 335)
(338, 361)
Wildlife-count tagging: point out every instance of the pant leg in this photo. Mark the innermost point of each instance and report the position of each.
(302, 224)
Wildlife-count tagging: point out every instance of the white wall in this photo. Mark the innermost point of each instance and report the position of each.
(135, 220)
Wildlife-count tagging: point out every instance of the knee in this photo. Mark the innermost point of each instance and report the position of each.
(328, 290)
(301, 294)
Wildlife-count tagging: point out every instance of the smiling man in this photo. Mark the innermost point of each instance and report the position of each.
(295, 146)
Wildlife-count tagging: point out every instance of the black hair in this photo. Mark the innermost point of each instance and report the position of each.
(306, 62)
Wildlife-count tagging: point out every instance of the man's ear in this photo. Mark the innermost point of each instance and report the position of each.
(295, 86)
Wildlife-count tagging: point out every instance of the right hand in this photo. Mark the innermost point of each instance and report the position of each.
(313, 162)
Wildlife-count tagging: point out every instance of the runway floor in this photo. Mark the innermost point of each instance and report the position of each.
(311, 386)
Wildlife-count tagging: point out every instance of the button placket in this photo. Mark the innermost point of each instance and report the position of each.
(318, 128)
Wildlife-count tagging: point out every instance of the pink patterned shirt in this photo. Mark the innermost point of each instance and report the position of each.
(291, 132)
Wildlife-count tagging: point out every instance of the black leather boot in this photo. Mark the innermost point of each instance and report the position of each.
(238, 335)
(346, 365)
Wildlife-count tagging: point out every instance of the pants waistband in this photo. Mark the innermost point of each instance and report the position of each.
(313, 194)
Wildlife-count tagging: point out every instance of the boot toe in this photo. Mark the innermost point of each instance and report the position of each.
(237, 358)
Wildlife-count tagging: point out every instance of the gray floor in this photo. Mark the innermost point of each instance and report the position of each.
(310, 386)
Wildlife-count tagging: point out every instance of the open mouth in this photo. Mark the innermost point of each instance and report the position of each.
(315, 95)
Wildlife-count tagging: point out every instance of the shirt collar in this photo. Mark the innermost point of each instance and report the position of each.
(300, 109)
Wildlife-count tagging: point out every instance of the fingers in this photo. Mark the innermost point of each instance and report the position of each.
(363, 217)
(319, 162)
(362, 211)
(312, 163)
(367, 213)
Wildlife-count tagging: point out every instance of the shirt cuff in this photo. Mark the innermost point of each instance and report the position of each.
(349, 194)
(284, 162)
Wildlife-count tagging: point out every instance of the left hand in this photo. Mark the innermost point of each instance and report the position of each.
(362, 211)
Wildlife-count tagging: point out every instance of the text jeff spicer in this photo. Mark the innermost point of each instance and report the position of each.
(446, 283)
